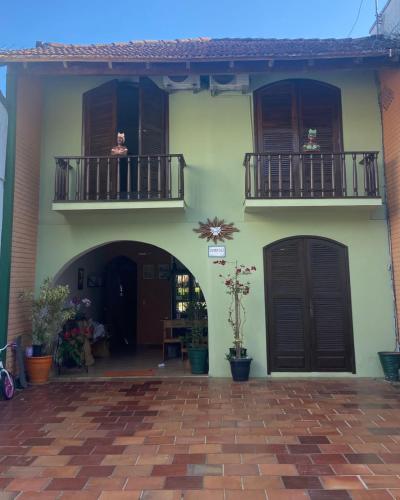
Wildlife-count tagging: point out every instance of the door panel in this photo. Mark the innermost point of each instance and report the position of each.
(287, 307)
(308, 306)
(329, 300)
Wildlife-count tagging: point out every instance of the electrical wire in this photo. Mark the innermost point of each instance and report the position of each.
(357, 18)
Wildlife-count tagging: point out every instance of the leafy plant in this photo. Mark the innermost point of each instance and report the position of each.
(237, 286)
(48, 313)
(196, 311)
(71, 347)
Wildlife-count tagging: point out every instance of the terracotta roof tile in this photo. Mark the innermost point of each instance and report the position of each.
(206, 49)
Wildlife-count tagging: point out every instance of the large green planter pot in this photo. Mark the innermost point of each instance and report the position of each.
(240, 369)
(198, 360)
(390, 362)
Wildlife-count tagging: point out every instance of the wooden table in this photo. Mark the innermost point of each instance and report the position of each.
(168, 328)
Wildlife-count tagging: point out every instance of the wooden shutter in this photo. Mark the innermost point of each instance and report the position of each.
(100, 135)
(319, 108)
(286, 305)
(100, 119)
(284, 113)
(152, 134)
(331, 343)
(308, 306)
(277, 130)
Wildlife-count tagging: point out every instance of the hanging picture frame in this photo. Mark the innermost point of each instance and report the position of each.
(148, 271)
(163, 271)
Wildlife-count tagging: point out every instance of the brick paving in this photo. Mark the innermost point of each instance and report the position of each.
(202, 439)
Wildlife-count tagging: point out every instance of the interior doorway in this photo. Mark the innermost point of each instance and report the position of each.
(120, 303)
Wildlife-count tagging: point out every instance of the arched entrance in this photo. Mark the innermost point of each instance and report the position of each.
(307, 293)
(135, 289)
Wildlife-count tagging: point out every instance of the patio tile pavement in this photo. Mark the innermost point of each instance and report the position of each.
(202, 439)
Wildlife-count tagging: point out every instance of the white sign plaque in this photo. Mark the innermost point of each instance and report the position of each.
(217, 251)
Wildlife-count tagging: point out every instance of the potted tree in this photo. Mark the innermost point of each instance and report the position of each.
(195, 340)
(48, 314)
(237, 286)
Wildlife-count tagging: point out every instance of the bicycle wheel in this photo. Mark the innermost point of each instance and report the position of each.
(7, 385)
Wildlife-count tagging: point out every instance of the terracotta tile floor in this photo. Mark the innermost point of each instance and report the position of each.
(202, 439)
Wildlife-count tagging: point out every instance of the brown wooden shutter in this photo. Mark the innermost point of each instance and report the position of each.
(329, 306)
(100, 135)
(286, 302)
(277, 130)
(152, 121)
(100, 119)
(308, 306)
(152, 135)
(319, 108)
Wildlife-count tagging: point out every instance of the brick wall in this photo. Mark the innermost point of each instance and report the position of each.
(390, 98)
(26, 202)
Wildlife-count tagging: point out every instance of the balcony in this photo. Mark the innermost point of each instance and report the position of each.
(282, 180)
(94, 183)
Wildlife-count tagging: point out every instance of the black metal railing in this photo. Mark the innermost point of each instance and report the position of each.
(106, 178)
(311, 175)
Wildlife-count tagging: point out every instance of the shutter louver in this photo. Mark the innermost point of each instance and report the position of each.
(152, 140)
(278, 134)
(286, 297)
(329, 296)
(100, 134)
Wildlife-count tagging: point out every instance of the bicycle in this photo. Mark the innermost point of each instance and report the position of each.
(7, 385)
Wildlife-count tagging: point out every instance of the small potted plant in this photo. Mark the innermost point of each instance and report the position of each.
(390, 361)
(195, 340)
(237, 286)
(48, 314)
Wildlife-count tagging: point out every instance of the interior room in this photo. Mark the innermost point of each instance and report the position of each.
(134, 291)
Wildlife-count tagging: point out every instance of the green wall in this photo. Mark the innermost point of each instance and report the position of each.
(214, 133)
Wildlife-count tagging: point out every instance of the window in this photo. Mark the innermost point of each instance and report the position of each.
(284, 113)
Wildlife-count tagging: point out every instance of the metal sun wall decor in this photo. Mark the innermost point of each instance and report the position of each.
(216, 230)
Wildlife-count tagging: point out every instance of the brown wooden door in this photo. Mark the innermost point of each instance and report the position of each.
(152, 136)
(100, 135)
(285, 111)
(308, 306)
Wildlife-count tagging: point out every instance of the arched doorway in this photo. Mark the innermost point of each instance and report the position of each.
(307, 293)
(135, 289)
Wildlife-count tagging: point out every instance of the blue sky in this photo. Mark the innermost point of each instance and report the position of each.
(23, 22)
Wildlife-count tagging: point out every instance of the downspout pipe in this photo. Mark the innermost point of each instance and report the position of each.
(8, 205)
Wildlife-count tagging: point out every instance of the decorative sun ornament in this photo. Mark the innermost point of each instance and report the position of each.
(216, 230)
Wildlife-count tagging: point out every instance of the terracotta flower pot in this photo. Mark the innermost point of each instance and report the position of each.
(38, 368)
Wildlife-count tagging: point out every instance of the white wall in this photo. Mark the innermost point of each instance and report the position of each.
(390, 19)
(3, 143)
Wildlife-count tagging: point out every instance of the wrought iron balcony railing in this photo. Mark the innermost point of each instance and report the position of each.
(119, 178)
(311, 175)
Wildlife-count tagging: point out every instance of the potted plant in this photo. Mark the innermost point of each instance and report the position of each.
(48, 314)
(195, 339)
(237, 286)
(390, 361)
